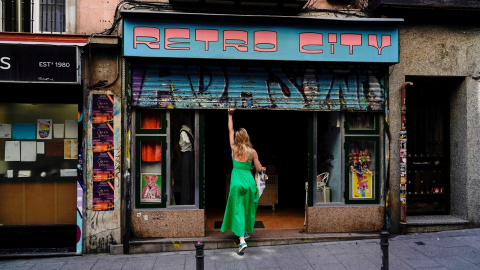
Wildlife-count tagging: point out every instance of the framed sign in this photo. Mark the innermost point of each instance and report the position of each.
(151, 186)
(362, 179)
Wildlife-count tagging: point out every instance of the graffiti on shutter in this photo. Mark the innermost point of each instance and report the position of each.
(289, 87)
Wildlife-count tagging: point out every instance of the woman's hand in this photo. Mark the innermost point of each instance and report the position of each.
(231, 111)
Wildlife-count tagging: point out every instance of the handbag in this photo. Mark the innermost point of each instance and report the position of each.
(260, 178)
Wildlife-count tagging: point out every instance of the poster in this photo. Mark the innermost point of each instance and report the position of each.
(103, 167)
(103, 196)
(151, 188)
(70, 149)
(58, 131)
(362, 185)
(28, 151)
(44, 129)
(12, 151)
(23, 131)
(71, 129)
(5, 131)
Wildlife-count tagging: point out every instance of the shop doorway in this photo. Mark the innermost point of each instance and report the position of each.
(428, 145)
(281, 140)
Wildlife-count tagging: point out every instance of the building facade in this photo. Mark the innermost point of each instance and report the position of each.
(311, 91)
(433, 111)
(121, 133)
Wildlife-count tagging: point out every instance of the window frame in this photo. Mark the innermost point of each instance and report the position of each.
(374, 131)
(163, 123)
(69, 22)
(138, 172)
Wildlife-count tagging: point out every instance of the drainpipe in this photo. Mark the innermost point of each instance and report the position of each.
(403, 161)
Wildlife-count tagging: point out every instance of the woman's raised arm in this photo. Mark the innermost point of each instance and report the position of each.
(231, 133)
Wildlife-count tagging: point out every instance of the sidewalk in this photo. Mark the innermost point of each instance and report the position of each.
(442, 250)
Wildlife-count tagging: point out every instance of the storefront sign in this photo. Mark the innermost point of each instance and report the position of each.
(223, 40)
(39, 63)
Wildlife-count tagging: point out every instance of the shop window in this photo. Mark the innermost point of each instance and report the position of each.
(38, 163)
(150, 145)
(150, 121)
(328, 179)
(362, 151)
(36, 16)
(361, 123)
(150, 167)
(165, 159)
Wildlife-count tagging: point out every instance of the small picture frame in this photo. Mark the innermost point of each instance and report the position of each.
(151, 188)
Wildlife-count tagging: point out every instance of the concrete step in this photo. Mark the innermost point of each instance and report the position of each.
(435, 223)
(260, 237)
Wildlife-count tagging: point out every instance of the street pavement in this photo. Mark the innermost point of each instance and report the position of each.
(459, 249)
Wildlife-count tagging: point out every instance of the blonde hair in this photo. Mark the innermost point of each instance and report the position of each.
(242, 141)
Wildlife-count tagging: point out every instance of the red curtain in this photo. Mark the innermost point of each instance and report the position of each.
(151, 151)
(150, 119)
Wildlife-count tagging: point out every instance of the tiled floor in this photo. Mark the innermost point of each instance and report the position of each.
(278, 219)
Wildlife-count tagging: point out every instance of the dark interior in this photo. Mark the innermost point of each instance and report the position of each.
(279, 137)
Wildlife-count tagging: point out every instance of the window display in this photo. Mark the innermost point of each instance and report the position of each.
(362, 182)
(150, 170)
(150, 162)
(328, 178)
(38, 163)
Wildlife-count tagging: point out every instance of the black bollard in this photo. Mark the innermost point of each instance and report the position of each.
(199, 247)
(384, 245)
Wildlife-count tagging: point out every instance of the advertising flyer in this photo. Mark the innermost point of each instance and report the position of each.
(103, 169)
(103, 196)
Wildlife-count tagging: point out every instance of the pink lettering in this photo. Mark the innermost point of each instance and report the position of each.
(171, 33)
(206, 36)
(265, 37)
(307, 39)
(386, 42)
(148, 32)
(332, 38)
(351, 40)
(241, 36)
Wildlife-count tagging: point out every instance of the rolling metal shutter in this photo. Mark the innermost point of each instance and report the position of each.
(281, 87)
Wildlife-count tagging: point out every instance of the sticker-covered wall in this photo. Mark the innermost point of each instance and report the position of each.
(103, 171)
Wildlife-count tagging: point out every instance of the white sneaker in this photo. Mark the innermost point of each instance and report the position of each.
(247, 235)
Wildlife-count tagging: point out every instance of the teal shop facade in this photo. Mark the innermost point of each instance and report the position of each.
(316, 87)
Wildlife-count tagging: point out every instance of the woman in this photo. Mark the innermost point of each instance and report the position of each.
(243, 196)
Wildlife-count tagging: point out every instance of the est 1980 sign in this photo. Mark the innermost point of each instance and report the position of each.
(39, 63)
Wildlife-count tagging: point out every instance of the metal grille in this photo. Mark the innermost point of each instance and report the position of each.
(52, 16)
(33, 15)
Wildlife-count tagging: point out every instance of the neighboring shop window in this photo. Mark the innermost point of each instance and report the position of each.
(328, 179)
(150, 145)
(182, 136)
(38, 163)
(362, 148)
